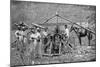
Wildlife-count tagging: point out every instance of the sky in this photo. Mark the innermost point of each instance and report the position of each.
(39, 12)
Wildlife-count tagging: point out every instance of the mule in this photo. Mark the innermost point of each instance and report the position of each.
(82, 33)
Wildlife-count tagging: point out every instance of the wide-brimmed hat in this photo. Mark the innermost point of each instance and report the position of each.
(21, 26)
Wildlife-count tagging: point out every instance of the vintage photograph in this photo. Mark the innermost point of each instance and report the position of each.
(51, 33)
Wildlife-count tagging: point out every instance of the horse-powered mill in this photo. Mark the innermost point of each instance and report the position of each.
(57, 39)
(54, 42)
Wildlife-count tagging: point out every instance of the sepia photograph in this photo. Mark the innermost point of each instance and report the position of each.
(43, 33)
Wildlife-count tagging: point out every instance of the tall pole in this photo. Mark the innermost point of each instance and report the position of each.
(57, 15)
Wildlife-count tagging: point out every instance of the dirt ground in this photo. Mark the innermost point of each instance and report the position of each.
(77, 54)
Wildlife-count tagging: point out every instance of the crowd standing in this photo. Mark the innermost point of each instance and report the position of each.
(33, 38)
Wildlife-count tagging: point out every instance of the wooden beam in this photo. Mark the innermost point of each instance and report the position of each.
(49, 19)
(71, 22)
(77, 24)
(53, 24)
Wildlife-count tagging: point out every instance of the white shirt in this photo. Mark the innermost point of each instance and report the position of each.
(35, 35)
(19, 34)
(33, 62)
(44, 33)
(67, 32)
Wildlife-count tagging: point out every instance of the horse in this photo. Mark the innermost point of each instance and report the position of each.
(82, 33)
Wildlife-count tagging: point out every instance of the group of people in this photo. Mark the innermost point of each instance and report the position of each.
(33, 37)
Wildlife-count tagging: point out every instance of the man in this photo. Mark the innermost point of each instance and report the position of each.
(66, 31)
(44, 32)
(34, 37)
(45, 39)
(21, 39)
(39, 44)
(21, 32)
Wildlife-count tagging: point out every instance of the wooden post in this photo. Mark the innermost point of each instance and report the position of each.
(59, 48)
(50, 48)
